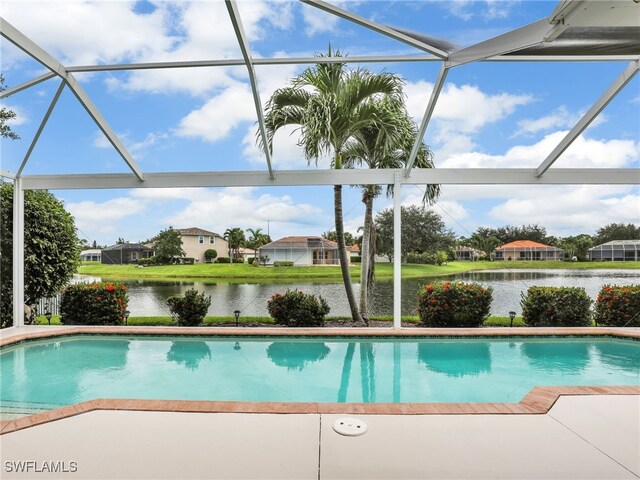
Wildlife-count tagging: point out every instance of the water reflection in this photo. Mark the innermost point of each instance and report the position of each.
(296, 355)
(346, 372)
(618, 355)
(557, 356)
(456, 360)
(189, 354)
(368, 372)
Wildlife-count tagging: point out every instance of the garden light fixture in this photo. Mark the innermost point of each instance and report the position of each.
(512, 315)
(237, 315)
(236, 346)
(47, 313)
(126, 317)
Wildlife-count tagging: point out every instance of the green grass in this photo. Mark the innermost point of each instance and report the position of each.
(243, 272)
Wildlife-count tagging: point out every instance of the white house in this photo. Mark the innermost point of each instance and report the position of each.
(301, 251)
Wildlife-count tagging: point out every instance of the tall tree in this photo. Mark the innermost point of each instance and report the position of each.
(616, 231)
(5, 116)
(577, 246)
(423, 231)
(257, 238)
(51, 254)
(349, 239)
(168, 245)
(385, 144)
(235, 237)
(331, 104)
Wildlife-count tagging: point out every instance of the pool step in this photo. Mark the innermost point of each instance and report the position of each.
(10, 410)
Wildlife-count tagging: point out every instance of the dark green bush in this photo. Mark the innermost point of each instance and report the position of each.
(189, 309)
(250, 260)
(210, 254)
(223, 260)
(447, 304)
(283, 263)
(146, 262)
(94, 304)
(357, 259)
(618, 306)
(556, 307)
(437, 258)
(298, 309)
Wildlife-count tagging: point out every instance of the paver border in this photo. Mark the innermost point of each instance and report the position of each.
(538, 401)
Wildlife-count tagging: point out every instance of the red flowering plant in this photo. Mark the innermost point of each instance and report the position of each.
(298, 309)
(454, 304)
(190, 309)
(101, 303)
(556, 307)
(618, 306)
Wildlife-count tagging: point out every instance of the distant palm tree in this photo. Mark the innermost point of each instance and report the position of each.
(257, 238)
(235, 238)
(330, 104)
(388, 147)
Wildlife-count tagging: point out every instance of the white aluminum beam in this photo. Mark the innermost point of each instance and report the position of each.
(44, 121)
(30, 48)
(287, 178)
(18, 253)
(397, 251)
(618, 84)
(435, 93)
(234, 14)
(23, 86)
(512, 41)
(376, 27)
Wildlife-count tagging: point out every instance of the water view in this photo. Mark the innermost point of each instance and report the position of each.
(148, 298)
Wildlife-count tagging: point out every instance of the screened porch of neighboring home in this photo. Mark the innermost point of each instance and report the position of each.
(301, 251)
(616, 251)
(526, 250)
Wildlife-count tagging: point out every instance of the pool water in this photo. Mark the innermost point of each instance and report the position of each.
(76, 369)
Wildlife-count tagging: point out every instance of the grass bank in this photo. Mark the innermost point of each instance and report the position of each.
(268, 321)
(241, 272)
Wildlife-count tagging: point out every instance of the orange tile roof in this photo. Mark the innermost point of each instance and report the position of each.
(524, 244)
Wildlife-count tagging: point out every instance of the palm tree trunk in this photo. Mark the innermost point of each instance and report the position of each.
(367, 199)
(342, 254)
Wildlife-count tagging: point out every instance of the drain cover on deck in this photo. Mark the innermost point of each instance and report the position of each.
(350, 427)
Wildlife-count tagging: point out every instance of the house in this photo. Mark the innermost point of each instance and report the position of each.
(301, 251)
(123, 253)
(196, 241)
(468, 254)
(528, 250)
(246, 252)
(91, 255)
(354, 251)
(616, 251)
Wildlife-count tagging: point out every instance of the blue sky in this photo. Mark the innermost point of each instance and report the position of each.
(489, 114)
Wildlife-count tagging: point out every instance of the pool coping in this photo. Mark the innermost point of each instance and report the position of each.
(538, 401)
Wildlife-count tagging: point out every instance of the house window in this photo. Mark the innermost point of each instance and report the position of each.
(200, 238)
(212, 239)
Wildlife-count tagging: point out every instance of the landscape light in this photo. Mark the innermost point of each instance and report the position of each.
(126, 317)
(47, 313)
(237, 315)
(512, 315)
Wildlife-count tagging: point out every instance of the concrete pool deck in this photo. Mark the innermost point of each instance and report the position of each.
(559, 432)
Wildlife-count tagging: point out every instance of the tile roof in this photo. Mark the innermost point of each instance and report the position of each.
(301, 242)
(196, 231)
(524, 244)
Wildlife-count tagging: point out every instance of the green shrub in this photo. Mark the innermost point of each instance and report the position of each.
(189, 309)
(250, 260)
(447, 304)
(94, 304)
(298, 309)
(437, 258)
(146, 262)
(223, 260)
(357, 259)
(618, 306)
(556, 307)
(283, 263)
(210, 254)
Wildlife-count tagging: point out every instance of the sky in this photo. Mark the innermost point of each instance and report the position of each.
(490, 114)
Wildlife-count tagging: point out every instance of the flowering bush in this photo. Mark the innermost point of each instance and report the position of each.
(298, 309)
(94, 304)
(448, 304)
(191, 309)
(556, 307)
(618, 306)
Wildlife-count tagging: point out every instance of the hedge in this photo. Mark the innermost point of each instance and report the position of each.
(618, 306)
(298, 309)
(447, 304)
(94, 304)
(556, 307)
(189, 309)
(223, 260)
(283, 263)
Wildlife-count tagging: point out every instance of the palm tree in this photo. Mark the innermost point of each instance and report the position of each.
(257, 238)
(330, 104)
(235, 238)
(387, 147)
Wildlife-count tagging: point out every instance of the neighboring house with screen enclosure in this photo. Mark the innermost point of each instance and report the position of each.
(196, 241)
(468, 254)
(616, 251)
(301, 251)
(528, 250)
(123, 253)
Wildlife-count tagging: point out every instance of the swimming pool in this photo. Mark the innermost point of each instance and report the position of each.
(64, 371)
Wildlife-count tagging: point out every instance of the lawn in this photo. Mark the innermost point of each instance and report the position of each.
(244, 272)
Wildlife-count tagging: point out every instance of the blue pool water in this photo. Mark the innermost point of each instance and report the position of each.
(75, 369)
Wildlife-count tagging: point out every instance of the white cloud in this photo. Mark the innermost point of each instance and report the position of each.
(102, 217)
(488, 10)
(561, 117)
(21, 116)
(137, 149)
(317, 21)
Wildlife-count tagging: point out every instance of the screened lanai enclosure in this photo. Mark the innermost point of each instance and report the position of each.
(574, 31)
(616, 251)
